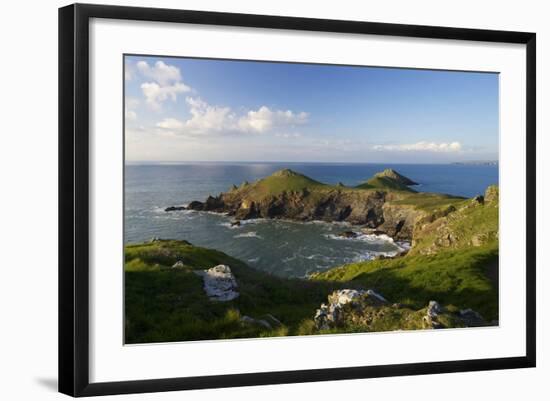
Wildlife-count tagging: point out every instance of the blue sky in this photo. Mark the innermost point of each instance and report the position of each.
(179, 109)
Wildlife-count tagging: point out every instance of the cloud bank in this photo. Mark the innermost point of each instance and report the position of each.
(423, 146)
(208, 119)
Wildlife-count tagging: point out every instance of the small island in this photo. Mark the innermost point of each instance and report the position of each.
(384, 202)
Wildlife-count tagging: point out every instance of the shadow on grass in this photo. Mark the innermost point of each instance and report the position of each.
(471, 286)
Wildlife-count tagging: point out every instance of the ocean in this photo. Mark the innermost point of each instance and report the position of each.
(284, 248)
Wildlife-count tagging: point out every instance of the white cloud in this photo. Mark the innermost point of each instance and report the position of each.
(264, 119)
(207, 119)
(289, 135)
(165, 83)
(423, 146)
(128, 73)
(130, 115)
(130, 103)
(160, 72)
(171, 124)
(155, 94)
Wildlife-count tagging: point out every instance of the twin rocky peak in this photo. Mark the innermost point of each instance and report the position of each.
(291, 195)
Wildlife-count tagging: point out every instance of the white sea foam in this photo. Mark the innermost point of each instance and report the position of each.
(328, 223)
(180, 217)
(314, 256)
(228, 224)
(254, 221)
(376, 238)
(403, 245)
(289, 258)
(213, 213)
(249, 234)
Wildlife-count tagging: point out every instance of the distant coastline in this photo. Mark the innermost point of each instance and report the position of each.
(478, 163)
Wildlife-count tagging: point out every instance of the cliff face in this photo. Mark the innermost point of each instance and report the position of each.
(384, 202)
(380, 202)
(326, 204)
(472, 223)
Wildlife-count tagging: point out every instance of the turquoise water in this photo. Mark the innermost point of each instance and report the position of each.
(284, 248)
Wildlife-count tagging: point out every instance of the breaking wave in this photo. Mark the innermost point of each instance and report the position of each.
(362, 237)
(249, 234)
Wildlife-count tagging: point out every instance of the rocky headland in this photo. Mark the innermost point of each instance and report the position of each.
(384, 204)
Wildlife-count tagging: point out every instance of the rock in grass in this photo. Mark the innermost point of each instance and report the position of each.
(332, 315)
(274, 321)
(260, 322)
(219, 283)
(472, 318)
(178, 264)
(376, 295)
(491, 194)
(433, 311)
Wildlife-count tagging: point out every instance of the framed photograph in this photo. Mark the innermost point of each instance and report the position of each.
(250, 199)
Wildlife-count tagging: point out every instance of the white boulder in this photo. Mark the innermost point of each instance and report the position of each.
(432, 312)
(219, 283)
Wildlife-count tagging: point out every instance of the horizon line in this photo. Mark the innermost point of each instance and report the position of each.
(298, 162)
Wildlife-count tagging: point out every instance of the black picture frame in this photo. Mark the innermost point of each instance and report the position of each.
(74, 198)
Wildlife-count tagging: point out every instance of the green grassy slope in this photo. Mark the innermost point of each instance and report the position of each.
(459, 278)
(288, 181)
(454, 259)
(385, 183)
(430, 202)
(473, 223)
(281, 181)
(169, 304)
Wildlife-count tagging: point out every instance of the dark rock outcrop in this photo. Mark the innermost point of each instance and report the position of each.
(174, 208)
(348, 234)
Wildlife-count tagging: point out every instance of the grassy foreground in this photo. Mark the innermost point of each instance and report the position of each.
(168, 304)
(457, 279)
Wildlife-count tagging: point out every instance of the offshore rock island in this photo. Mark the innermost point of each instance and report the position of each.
(291, 195)
(448, 278)
(383, 204)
